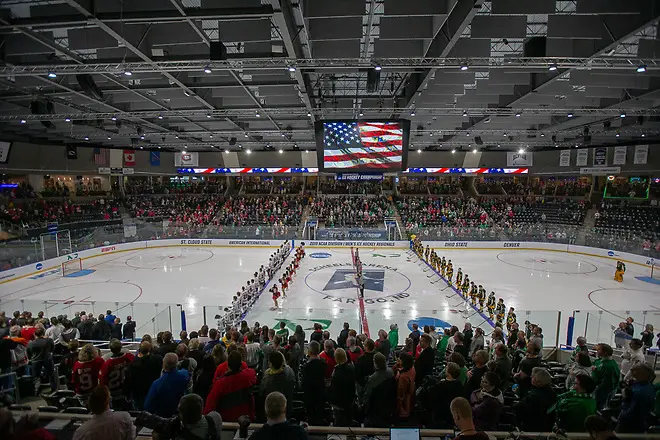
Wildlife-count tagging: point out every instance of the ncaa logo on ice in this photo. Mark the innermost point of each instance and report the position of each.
(320, 255)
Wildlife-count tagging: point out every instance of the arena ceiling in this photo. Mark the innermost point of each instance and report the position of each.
(494, 74)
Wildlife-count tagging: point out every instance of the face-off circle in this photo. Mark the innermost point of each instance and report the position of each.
(169, 258)
(336, 282)
(546, 262)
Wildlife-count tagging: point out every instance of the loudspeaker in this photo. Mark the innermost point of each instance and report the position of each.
(535, 47)
(88, 85)
(478, 140)
(38, 107)
(232, 141)
(373, 78)
(217, 51)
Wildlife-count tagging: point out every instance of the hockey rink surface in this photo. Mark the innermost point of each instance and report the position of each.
(399, 288)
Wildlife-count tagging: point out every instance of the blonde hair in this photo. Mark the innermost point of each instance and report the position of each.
(87, 353)
(340, 356)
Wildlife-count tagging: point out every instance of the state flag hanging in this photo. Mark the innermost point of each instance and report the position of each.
(129, 158)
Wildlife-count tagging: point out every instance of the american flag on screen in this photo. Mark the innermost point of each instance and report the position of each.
(101, 156)
(362, 144)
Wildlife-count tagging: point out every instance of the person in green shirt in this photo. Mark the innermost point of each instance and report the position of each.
(442, 344)
(576, 405)
(393, 336)
(283, 333)
(459, 360)
(606, 375)
(581, 347)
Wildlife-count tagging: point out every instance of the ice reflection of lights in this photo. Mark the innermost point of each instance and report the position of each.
(387, 313)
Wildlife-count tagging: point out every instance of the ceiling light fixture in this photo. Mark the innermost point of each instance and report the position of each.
(453, 151)
(142, 137)
(641, 68)
(412, 113)
(292, 69)
(464, 113)
(464, 67)
(211, 135)
(552, 67)
(246, 135)
(474, 151)
(542, 135)
(517, 114)
(52, 75)
(208, 116)
(109, 138)
(306, 151)
(618, 135)
(361, 113)
(227, 151)
(23, 121)
(248, 151)
(570, 115)
(521, 151)
(643, 135)
(622, 115)
(128, 73)
(67, 119)
(160, 116)
(257, 115)
(419, 150)
(281, 151)
(207, 69)
(309, 114)
(86, 138)
(377, 68)
(114, 118)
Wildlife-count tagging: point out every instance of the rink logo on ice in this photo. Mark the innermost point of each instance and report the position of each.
(45, 274)
(345, 279)
(320, 255)
(612, 254)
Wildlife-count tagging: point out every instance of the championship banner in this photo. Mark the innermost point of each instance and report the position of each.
(515, 159)
(246, 170)
(129, 158)
(581, 160)
(600, 157)
(641, 154)
(467, 170)
(186, 159)
(620, 155)
(565, 158)
(5, 147)
(357, 176)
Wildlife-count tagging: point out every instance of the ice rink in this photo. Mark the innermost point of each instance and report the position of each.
(153, 285)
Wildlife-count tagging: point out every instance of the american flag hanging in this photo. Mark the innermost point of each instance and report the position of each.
(362, 145)
(101, 156)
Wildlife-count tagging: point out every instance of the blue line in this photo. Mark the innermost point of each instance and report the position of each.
(458, 292)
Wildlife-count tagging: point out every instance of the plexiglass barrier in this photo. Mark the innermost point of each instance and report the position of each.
(602, 326)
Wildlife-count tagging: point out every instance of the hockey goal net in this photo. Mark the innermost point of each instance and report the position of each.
(71, 266)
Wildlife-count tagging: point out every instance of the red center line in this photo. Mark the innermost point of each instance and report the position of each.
(363, 315)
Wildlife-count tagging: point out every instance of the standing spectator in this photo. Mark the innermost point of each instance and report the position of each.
(129, 329)
(55, 330)
(142, 373)
(300, 337)
(573, 407)
(343, 335)
(292, 356)
(277, 427)
(480, 358)
(109, 317)
(477, 342)
(189, 423)
(101, 329)
(532, 410)
(487, 403)
(383, 344)
(235, 385)
(168, 345)
(379, 400)
(252, 350)
(630, 328)
(313, 385)
(317, 334)
(328, 356)
(167, 390)
(86, 328)
(638, 400)
(443, 394)
(28, 330)
(279, 377)
(115, 331)
(582, 365)
(425, 360)
(208, 369)
(461, 412)
(113, 373)
(106, 424)
(283, 333)
(632, 356)
(19, 356)
(647, 336)
(404, 371)
(393, 336)
(341, 393)
(86, 371)
(524, 375)
(354, 352)
(364, 367)
(40, 352)
(468, 334)
(581, 347)
(606, 375)
(415, 335)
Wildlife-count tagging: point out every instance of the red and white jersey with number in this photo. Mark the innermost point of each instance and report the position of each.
(85, 375)
(113, 373)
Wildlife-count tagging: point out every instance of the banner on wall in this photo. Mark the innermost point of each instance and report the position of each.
(129, 158)
(620, 155)
(641, 154)
(565, 158)
(186, 159)
(515, 159)
(600, 171)
(154, 158)
(71, 152)
(600, 157)
(581, 160)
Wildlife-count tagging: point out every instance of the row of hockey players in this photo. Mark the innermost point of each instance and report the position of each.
(287, 276)
(465, 287)
(247, 296)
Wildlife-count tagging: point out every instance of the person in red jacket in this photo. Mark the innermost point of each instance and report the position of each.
(328, 356)
(237, 383)
(85, 373)
(113, 372)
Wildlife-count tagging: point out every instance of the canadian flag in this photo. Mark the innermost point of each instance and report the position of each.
(129, 158)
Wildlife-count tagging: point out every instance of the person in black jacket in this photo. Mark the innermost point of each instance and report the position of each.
(425, 360)
(532, 410)
(141, 373)
(129, 329)
(313, 385)
(115, 331)
(168, 345)
(101, 329)
(480, 359)
(383, 344)
(342, 389)
(460, 347)
(317, 334)
(441, 396)
(364, 366)
(277, 427)
(379, 400)
(85, 327)
(343, 335)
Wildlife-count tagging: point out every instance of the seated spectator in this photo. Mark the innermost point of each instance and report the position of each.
(142, 373)
(379, 400)
(461, 412)
(638, 400)
(487, 403)
(313, 385)
(278, 377)
(167, 390)
(573, 407)
(86, 371)
(105, 424)
(236, 383)
(442, 394)
(480, 359)
(582, 365)
(532, 410)
(581, 347)
(341, 393)
(524, 375)
(189, 423)
(599, 428)
(606, 375)
(277, 427)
